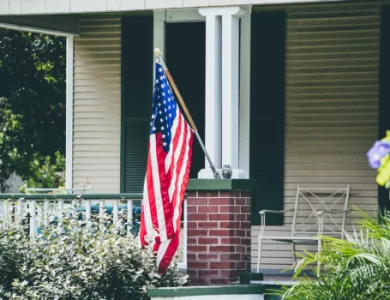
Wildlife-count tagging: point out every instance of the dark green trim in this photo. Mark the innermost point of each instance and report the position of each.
(221, 184)
(136, 98)
(384, 94)
(267, 114)
(123, 116)
(246, 277)
(133, 196)
(207, 291)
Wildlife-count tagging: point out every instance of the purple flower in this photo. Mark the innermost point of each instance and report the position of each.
(379, 150)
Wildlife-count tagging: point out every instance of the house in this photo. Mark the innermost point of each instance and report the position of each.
(287, 92)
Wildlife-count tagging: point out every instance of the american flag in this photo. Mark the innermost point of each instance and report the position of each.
(167, 172)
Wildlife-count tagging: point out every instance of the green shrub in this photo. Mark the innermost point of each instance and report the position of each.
(13, 249)
(356, 268)
(75, 261)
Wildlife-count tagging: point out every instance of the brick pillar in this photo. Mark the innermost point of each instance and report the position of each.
(219, 236)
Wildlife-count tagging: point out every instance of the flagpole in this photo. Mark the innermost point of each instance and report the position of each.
(186, 112)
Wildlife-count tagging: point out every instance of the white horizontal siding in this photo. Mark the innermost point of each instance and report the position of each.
(332, 96)
(18, 7)
(97, 103)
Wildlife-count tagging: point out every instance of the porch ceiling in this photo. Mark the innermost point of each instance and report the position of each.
(55, 24)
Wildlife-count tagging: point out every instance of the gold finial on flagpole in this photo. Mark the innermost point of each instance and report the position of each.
(157, 51)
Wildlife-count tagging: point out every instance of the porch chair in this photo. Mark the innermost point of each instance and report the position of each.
(317, 211)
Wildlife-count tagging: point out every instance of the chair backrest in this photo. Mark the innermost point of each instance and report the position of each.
(310, 202)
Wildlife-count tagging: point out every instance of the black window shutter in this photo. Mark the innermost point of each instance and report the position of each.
(137, 91)
(185, 58)
(267, 113)
(384, 98)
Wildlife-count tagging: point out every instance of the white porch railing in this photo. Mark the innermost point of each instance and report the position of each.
(39, 210)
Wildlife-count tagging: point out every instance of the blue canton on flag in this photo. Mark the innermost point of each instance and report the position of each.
(164, 108)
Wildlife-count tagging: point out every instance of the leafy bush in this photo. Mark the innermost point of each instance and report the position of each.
(76, 261)
(356, 268)
(13, 251)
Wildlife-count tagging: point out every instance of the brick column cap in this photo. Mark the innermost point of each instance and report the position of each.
(221, 185)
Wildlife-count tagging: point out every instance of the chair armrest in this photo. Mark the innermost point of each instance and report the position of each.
(262, 216)
(262, 212)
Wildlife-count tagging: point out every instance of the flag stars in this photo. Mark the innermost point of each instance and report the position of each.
(164, 113)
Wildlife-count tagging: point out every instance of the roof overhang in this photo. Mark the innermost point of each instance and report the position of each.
(60, 25)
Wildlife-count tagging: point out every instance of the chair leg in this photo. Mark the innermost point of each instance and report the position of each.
(293, 252)
(259, 255)
(318, 262)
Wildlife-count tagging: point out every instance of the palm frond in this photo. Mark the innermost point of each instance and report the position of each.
(357, 267)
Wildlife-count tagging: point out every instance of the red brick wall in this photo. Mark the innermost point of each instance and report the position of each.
(219, 230)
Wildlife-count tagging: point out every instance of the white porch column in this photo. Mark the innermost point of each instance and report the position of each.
(213, 88)
(69, 113)
(230, 86)
(222, 88)
(245, 79)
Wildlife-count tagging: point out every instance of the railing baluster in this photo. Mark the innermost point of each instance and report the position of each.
(101, 214)
(129, 215)
(88, 210)
(115, 212)
(74, 207)
(46, 211)
(6, 212)
(60, 209)
(1, 211)
(20, 212)
(33, 215)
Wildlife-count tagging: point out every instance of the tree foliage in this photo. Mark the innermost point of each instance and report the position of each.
(32, 102)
